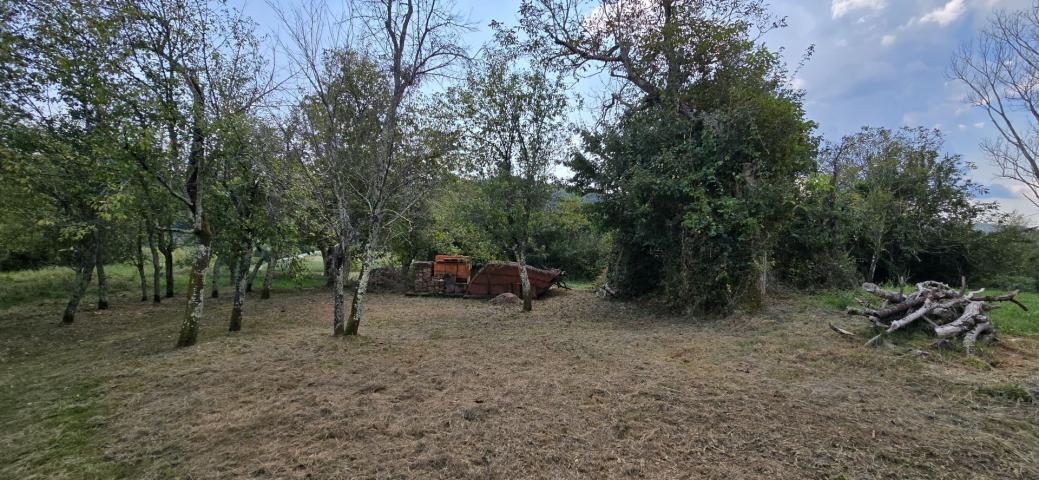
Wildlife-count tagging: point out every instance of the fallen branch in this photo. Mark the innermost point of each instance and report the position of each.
(841, 331)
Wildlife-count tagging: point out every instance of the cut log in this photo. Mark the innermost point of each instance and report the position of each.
(971, 339)
(967, 320)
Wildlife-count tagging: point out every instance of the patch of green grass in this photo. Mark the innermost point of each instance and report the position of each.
(837, 299)
(580, 284)
(1011, 319)
(1008, 391)
(66, 438)
(52, 284)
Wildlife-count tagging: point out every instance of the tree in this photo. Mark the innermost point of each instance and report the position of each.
(60, 141)
(891, 203)
(186, 45)
(653, 49)
(513, 134)
(416, 40)
(383, 174)
(999, 68)
(697, 173)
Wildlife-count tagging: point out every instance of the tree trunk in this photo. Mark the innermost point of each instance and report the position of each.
(528, 293)
(328, 258)
(232, 270)
(215, 290)
(139, 263)
(264, 256)
(872, 268)
(240, 287)
(156, 268)
(357, 306)
(102, 279)
(84, 271)
(196, 287)
(338, 294)
(268, 276)
(167, 253)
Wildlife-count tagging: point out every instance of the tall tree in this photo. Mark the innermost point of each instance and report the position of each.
(60, 134)
(374, 180)
(191, 46)
(1000, 68)
(415, 40)
(696, 169)
(514, 134)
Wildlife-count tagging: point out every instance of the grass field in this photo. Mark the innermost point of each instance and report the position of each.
(453, 388)
(53, 283)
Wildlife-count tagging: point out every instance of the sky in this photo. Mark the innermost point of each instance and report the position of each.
(880, 63)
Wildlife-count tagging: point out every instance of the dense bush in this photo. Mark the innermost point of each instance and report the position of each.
(696, 205)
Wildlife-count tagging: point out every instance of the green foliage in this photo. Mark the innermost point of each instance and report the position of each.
(567, 239)
(696, 204)
(1006, 258)
(512, 132)
(884, 204)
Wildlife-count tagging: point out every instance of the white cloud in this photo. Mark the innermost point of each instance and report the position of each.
(946, 14)
(979, 125)
(888, 40)
(842, 7)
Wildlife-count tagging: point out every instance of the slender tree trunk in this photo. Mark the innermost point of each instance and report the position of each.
(232, 270)
(84, 271)
(339, 259)
(264, 256)
(268, 276)
(139, 263)
(215, 290)
(361, 289)
(528, 293)
(240, 286)
(872, 267)
(328, 258)
(202, 230)
(196, 288)
(167, 253)
(156, 268)
(102, 279)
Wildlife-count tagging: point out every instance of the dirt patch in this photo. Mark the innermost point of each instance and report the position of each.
(579, 388)
(505, 299)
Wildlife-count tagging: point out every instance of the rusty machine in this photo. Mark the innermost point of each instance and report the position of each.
(451, 275)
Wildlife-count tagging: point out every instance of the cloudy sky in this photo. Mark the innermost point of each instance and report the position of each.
(884, 63)
(876, 62)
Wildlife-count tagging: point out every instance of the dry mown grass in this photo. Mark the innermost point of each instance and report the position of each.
(449, 388)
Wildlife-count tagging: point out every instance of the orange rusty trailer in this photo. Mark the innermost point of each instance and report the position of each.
(496, 278)
(452, 275)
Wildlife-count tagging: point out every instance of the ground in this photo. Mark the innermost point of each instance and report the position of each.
(453, 388)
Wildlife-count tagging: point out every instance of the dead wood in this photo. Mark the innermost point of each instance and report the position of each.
(949, 312)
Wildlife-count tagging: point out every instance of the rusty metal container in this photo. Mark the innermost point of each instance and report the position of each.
(455, 265)
(497, 278)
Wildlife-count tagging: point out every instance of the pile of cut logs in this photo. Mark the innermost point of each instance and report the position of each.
(948, 312)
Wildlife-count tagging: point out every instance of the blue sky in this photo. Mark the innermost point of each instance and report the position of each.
(876, 62)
